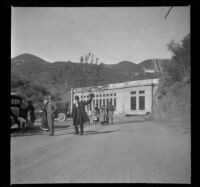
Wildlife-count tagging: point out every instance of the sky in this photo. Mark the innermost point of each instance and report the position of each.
(113, 34)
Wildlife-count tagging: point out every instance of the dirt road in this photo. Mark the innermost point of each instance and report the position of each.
(140, 152)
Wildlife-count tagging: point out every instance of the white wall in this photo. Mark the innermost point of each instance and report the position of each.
(124, 100)
(123, 97)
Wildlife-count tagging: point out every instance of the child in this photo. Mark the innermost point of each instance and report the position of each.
(22, 122)
(94, 116)
(29, 122)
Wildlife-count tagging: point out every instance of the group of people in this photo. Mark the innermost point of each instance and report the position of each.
(104, 114)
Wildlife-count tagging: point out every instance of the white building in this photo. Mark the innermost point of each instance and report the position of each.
(134, 97)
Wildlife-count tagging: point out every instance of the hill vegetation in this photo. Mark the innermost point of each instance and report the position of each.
(36, 77)
(173, 95)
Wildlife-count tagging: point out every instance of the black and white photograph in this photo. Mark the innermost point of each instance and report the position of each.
(100, 95)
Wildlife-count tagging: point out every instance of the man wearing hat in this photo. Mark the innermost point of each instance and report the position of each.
(79, 114)
(44, 124)
(51, 108)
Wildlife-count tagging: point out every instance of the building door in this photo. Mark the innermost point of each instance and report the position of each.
(133, 103)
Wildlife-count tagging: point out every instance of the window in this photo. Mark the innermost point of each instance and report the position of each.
(99, 95)
(111, 101)
(110, 94)
(114, 94)
(103, 95)
(100, 102)
(96, 95)
(115, 102)
(141, 103)
(141, 92)
(15, 101)
(84, 96)
(93, 103)
(81, 97)
(133, 103)
(133, 92)
(103, 101)
(97, 102)
(107, 95)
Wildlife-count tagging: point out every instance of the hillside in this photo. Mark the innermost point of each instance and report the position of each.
(154, 64)
(126, 68)
(61, 76)
(175, 104)
(173, 98)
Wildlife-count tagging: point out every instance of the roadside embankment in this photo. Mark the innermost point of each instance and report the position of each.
(174, 105)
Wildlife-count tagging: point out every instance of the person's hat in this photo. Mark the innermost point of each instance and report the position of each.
(76, 97)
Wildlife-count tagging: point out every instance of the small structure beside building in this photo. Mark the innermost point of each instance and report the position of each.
(129, 98)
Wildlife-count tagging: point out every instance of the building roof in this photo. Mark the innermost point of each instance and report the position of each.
(120, 85)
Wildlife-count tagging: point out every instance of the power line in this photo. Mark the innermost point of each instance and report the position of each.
(168, 12)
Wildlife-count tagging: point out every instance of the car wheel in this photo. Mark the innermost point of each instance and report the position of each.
(61, 117)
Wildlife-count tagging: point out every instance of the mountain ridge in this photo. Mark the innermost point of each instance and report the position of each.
(56, 75)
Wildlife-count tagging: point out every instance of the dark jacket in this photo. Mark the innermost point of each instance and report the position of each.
(51, 108)
(44, 116)
(110, 108)
(80, 112)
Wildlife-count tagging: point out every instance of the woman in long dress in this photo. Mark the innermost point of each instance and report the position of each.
(103, 114)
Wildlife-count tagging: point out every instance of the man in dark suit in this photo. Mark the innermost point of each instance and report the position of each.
(79, 114)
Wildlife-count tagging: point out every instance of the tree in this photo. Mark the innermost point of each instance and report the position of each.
(90, 71)
(98, 69)
(179, 66)
(28, 88)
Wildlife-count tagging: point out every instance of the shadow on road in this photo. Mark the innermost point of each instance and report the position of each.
(127, 122)
(36, 130)
(63, 134)
(29, 132)
(61, 127)
(98, 132)
(88, 132)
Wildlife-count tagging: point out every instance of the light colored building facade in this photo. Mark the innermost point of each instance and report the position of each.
(130, 98)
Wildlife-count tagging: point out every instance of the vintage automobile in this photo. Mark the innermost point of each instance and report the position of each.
(38, 112)
(62, 111)
(15, 102)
